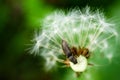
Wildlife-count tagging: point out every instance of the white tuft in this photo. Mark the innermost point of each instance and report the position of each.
(79, 28)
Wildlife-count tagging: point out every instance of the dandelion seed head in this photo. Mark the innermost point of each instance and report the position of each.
(82, 28)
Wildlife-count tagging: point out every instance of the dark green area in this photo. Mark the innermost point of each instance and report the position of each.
(18, 21)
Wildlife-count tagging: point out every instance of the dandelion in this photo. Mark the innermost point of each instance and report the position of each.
(86, 32)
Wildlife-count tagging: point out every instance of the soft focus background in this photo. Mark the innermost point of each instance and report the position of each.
(18, 21)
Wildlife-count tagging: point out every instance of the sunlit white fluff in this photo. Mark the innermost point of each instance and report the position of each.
(79, 28)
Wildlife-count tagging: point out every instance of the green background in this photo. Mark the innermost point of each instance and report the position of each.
(19, 19)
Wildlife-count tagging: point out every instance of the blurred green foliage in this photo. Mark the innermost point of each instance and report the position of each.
(18, 21)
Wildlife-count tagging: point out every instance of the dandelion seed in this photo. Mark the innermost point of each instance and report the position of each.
(84, 31)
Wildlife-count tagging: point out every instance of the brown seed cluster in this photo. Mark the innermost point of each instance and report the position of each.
(73, 53)
(80, 51)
